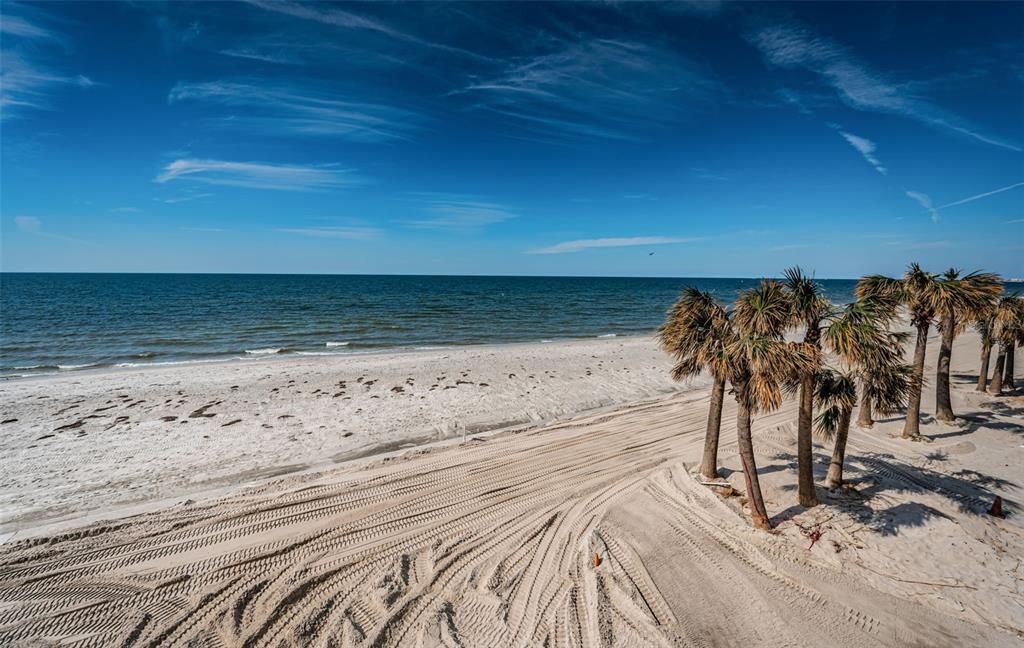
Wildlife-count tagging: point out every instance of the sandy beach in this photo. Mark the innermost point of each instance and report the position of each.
(89, 441)
(586, 532)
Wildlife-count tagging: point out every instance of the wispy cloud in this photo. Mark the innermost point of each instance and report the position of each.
(925, 201)
(631, 241)
(982, 195)
(29, 76)
(351, 233)
(640, 196)
(254, 54)
(34, 225)
(597, 88)
(866, 148)
(181, 199)
(30, 224)
(929, 245)
(1014, 221)
(28, 84)
(126, 210)
(341, 18)
(789, 247)
(458, 212)
(701, 173)
(278, 110)
(21, 28)
(206, 230)
(857, 85)
(255, 175)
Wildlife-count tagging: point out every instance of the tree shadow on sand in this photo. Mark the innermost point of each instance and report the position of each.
(882, 474)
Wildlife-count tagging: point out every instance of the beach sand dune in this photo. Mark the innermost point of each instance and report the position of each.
(589, 532)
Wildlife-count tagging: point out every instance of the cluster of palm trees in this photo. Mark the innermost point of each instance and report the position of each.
(843, 357)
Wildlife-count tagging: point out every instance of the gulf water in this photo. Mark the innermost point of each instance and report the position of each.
(63, 322)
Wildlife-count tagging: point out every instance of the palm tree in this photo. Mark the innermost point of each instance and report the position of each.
(1008, 370)
(959, 301)
(984, 328)
(859, 336)
(918, 291)
(1008, 329)
(761, 363)
(697, 332)
(809, 309)
(836, 394)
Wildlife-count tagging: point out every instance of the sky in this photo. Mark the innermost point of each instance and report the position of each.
(612, 139)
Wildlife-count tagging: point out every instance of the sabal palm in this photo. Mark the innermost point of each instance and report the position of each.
(761, 364)
(808, 309)
(860, 338)
(697, 332)
(918, 291)
(984, 326)
(1008, 330)
(959, 301)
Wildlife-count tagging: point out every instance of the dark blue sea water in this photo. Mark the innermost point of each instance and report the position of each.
(57, 322)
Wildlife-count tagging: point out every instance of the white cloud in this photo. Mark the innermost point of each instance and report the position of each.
(126, 210)
(255, 175)
(632, 241)
(596, 88)
(866, 148)
(259, 55)
(982, 195)
(925, 201)
(1015, 221)
(21, 28)
(25, 84)
(459, 212)
(280, 109)
(28, 224)
(336, 17)
(180, 199)
(929, 245)
(858, 86)
(209, 230)
(352, 233)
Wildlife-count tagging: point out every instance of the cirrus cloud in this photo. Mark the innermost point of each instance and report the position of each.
(629, 241)
(258, 175)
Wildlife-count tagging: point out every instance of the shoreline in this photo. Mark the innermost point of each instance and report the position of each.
(100, 440)
(258, 355)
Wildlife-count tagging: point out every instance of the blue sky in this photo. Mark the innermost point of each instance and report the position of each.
(637, 139)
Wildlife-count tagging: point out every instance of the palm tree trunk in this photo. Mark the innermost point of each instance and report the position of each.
(1008, 371)
(804, 443)
(864, 417)
(835, 468)
(709, 464)
(912, 427)
(746, 450)
(995, 386)
(943, 404)
(986, 353)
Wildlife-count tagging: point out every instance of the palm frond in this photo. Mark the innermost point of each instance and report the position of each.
(696, 332)
(763, 311)
(835, 395)
(962, 300)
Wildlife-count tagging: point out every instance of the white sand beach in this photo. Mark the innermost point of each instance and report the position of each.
(584, 532)
(86, 441)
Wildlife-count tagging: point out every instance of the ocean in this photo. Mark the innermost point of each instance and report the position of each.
(64, 322)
